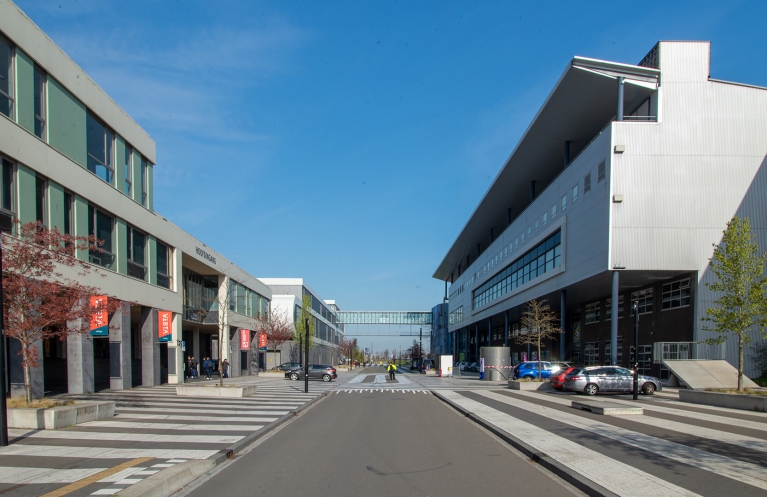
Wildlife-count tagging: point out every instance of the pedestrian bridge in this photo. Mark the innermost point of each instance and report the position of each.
(384, 317)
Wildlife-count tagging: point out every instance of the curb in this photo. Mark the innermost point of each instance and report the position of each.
(173, 479)
(575, 479)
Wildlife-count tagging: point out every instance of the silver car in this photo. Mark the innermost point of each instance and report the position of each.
(595, 379)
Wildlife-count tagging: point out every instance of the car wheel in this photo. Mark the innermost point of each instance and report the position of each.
(591, 389)
(294, 376)
(528, 377)
(648, 388)
(326, 378)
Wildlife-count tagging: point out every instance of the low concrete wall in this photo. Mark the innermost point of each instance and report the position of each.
(59, 417)
(731, 400)
(271, 374)
(215, 391)
(529, 385)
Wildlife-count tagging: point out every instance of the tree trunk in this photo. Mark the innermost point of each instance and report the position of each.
(740, 364)
(27, 372)
(221, 358)
(539, 358)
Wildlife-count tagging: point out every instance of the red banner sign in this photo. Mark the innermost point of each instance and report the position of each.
(262, 341)
(164, 326)
(244, 339)
(99, 318)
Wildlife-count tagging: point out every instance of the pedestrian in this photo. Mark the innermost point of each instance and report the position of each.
(193, 367)
(392, 371)
(225, 368)
(206, 366)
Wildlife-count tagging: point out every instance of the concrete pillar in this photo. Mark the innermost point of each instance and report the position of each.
(196, 348)
(619, 110)
(80, 363)
(489, 332)
(150, 348)
(476, 342)
(16, 371)
(120, 374)
(506, 330)
(614, 320)
(562, 324)
(175, 354)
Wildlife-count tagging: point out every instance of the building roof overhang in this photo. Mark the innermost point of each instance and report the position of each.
(582, 103)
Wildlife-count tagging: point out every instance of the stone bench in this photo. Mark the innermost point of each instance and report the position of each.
(54, 418)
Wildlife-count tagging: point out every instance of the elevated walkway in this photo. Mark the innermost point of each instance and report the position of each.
(702, 374)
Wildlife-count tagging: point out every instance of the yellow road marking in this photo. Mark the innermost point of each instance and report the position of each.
(68, 489)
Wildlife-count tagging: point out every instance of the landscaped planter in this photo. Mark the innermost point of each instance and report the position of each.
(719, 399)
(215, 391)
(529, 385)
(53, 418)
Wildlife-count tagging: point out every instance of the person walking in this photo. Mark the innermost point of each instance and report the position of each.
(392, 371)
(193, 367)
(225, 368)
(206, 366)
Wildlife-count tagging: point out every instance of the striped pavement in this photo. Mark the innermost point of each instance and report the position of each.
(673, 449)
(152, 429)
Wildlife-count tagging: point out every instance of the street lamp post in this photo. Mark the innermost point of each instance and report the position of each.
(420, 347)
(3, 413)
(306, 358)
(635, 307)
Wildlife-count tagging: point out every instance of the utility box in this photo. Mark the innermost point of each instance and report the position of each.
(497, 362)
(445, 365)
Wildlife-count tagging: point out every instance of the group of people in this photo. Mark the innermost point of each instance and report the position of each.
(208, 366)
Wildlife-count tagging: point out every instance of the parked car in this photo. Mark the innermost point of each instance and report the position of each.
(557, 379)
(287, 366)
(461, 365)
(595, 379)
(474, 366)
(529, 370)
(316, 371)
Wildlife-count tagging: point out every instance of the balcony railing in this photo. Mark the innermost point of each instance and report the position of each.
(686, 351)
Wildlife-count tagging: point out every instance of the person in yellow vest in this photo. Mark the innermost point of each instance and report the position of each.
(392, 371)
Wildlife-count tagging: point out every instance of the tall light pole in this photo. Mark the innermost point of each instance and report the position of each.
(3, 413)
(420, 348)
(306, 357)
(635, 307)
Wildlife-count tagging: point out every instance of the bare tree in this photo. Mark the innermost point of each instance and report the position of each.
(539, 322)
(277, 327)
(214, 307)
(347, 348)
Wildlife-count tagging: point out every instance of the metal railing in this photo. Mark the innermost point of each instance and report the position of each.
(686, 351)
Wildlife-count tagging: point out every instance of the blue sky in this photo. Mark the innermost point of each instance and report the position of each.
(348, 142)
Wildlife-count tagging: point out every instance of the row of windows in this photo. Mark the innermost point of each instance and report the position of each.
(674, 295)
(533, 228)
(100, 139)
(100, 224)
(540, 259)
(456, 315)
(247, 302)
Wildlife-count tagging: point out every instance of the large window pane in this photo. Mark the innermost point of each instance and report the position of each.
(40, 113)
(100, 141)
(6, 77)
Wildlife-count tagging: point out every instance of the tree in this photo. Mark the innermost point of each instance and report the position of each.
(539, 322)
(741, 284)
(217, 305)
(276, 326)
(347, 347)
(299, 336)
(41, 295)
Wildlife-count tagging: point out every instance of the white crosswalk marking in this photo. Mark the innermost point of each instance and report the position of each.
(602, 469)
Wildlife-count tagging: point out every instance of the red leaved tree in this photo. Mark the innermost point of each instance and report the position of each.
(347, 347)
(41, 298)
(277, 327)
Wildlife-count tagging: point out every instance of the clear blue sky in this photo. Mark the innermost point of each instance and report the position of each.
(348, 142)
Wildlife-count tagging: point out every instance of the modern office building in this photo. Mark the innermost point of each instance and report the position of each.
(287, 298)
(613, 197)
(440, 340)
(74, 160)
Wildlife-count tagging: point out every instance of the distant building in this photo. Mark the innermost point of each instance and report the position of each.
(287, 298)
(440, 341)
(614, 196)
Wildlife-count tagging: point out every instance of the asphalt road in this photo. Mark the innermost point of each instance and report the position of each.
(381, 443)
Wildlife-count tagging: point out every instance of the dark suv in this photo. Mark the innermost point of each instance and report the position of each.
(316, 371)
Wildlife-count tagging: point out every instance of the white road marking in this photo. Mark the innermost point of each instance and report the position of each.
(599, 468)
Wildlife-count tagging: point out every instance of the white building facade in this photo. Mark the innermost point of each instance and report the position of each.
(287, 298)
(74, 160)
(614, 195)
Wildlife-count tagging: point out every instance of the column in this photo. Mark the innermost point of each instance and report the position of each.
(234, 362)
(175, 354)
(120, 376)
(150, 348)
(614, 320)
(506, 331)
(476, 342)
(562, 324)
(489, 332)
(80, 363)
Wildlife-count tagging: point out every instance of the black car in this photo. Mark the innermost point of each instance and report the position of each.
(316, 371)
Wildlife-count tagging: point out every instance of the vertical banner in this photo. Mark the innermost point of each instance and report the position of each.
(99, 318)
(164, 326)
(244, 339)
(263, 343)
